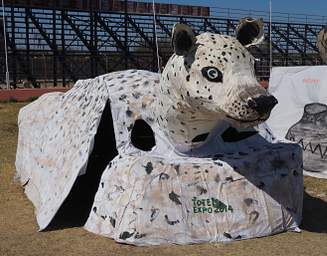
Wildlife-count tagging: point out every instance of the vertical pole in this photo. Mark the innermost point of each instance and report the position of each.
(13, 54)
(154, 50)
(270, 37)
(92, 61)
(63, 54)
(126, 35)
(155, 38)
(205, 24)
(6, 49)
(287, 45)
(97, 56)
(27, 38)
(305, 43)
(54, 42)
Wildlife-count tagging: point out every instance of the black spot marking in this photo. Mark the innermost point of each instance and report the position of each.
(227, 235)
(136, 95)
(218, 164)
(254, 215)
(229, 178)
(139, 236)
(163, 176)
(94, 209)
(129, 128)
(129, 113)
(175, 198)
(25, 184)
(248, 201)
(177, 168)
(148, 168)
(112, 221)
(174, 222)
(154, 214)
(201, 190)
(125, 235)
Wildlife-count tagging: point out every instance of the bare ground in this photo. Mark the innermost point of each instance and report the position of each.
(19, 236)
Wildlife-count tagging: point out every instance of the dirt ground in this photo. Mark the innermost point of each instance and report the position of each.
(19, 236)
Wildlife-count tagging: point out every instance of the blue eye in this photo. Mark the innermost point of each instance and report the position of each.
(212, 74)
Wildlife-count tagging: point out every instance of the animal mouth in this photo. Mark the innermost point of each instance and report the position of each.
(247, 121)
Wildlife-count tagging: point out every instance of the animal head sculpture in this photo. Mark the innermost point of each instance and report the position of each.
(210, 78)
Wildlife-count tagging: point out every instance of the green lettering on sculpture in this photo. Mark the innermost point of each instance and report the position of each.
(210, 205)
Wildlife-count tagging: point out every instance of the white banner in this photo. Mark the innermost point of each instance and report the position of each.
(301, 114)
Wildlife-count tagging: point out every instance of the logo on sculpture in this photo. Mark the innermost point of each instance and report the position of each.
(210, 205)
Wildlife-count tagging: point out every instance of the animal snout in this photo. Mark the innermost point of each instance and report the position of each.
(262, 104)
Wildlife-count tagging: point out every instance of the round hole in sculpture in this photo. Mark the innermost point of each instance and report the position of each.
(142, 136)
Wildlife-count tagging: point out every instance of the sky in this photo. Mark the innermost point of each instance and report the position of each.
(316, 7)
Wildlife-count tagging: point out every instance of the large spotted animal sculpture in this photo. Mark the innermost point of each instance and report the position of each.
(322, 44)
(201, 179)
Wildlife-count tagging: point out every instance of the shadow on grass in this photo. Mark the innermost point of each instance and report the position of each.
(314, 214)
(77, 206)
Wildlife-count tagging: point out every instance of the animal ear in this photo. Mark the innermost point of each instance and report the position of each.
(183, 39)
(250, 31)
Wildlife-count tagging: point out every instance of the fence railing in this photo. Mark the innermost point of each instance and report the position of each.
(57, 47)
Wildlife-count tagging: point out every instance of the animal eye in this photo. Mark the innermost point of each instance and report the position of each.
(212, 74)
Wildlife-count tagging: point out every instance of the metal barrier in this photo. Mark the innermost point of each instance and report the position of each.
(57, 46)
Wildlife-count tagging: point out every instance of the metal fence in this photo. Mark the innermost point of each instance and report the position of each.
(57, 46)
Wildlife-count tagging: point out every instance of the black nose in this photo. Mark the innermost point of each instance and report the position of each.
(262, 104)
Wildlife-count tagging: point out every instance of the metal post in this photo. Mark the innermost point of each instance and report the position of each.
(92, 58)
(270, 37)
(29, 60)
(63, 52)
(126, 35)
(6, 50)
(13, 53)
(54, 41)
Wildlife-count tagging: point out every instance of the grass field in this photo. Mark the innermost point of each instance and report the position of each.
(19, 236)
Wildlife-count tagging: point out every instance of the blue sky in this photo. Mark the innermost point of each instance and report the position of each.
(318, 7)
